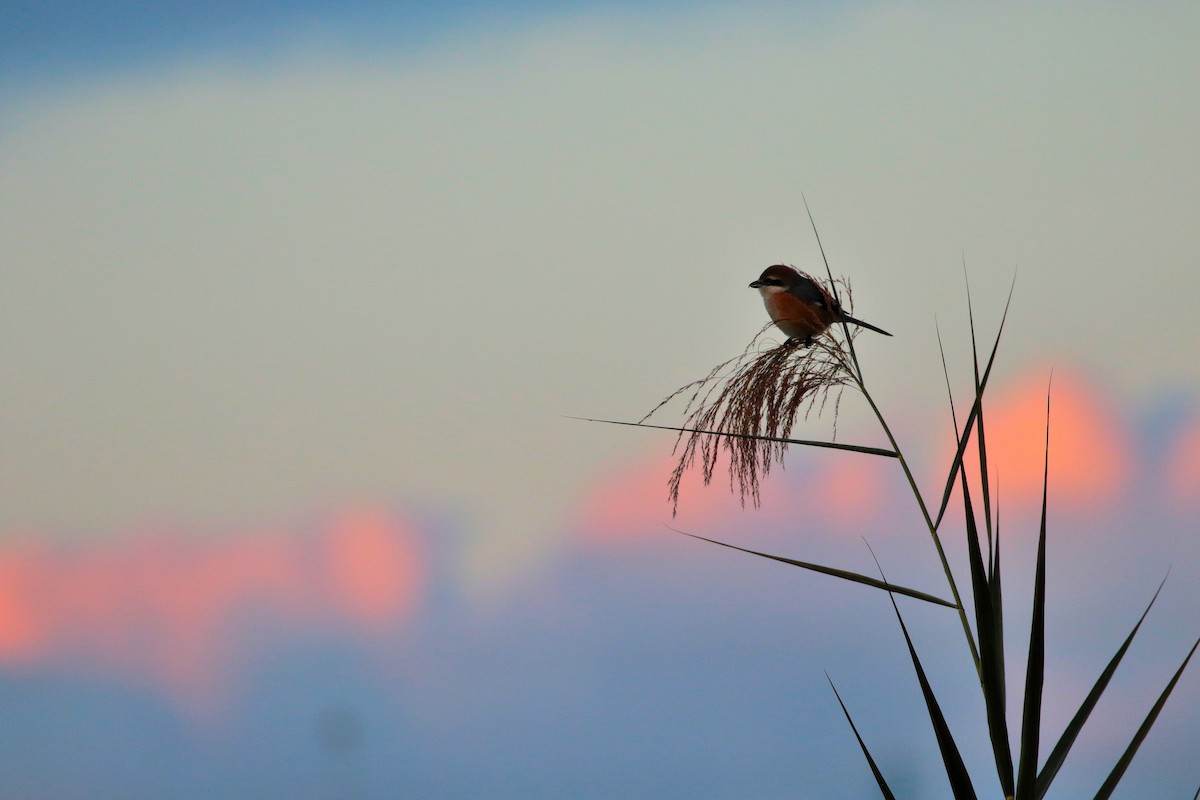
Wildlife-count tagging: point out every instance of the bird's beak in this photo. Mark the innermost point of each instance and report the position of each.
(755, 284)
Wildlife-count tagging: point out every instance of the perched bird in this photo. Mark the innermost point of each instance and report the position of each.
(799, 306)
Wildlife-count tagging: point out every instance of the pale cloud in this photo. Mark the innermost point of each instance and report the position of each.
(233, 290)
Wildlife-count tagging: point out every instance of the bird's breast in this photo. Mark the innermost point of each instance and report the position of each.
(796, 318)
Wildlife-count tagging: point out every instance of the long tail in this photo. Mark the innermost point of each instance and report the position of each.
(866, 325)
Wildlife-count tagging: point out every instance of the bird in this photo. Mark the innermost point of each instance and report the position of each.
(799, 306)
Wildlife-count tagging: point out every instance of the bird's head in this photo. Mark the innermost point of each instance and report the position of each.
(775, 279)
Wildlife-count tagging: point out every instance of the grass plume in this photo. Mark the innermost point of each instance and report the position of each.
(748, 405)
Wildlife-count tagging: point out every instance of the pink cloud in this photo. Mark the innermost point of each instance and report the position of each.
(23, 637)
(850, 489)
(824, 490)
(164, 609)
(372, 574)
(630, 500)
(1090, 464)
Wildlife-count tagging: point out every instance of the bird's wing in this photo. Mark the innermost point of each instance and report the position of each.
(806, 290)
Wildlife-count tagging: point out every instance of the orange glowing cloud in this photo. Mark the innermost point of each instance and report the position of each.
(1183, 469)
(166, 609)
(1089, 449)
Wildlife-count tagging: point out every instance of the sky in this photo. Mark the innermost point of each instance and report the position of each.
(299, 300)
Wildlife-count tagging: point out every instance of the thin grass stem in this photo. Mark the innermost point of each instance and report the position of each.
(937, 541)
(859, 379)
(861, 382)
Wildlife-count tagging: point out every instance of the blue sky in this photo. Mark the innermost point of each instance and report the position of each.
(296, 298)
(56, 40)
(58, 37)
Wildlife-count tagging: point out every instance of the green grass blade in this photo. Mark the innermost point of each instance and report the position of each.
(1118, 772)
(995, 586)
(990, 650)
(956, 770)
(1031, 717)
(956, 464)
(1059, 754)
(946, 374)
(985, 485)
(856, 448)
(832, 571)
(954, 419)
(879, 779)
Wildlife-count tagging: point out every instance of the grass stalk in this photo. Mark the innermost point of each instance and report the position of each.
(854, 367)
(933, 532)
